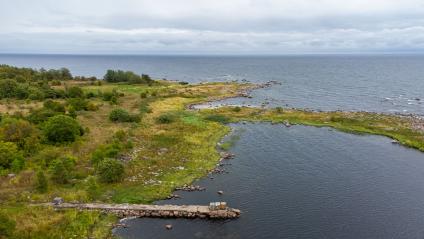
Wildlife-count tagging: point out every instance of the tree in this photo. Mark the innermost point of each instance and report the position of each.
(110, 171)
(41, 184)
(8, 153)
(61, 129)
(8, 88)
(17, 131)
(60, 169)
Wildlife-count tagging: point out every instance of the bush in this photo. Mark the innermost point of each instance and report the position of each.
(61, 129)
(78, 104)
(9, 153)
(61, 169)
(41, 115)
(7, 226)
(46, 156)
(18, 131)
(121, 115)
(236, 109)
(105, 151)
(54, 106)
(218, 118)
(74, 92)
(8, 88)
(106, 96)
(143, 94)
(41, 184)
(110, 171)
(165, 118)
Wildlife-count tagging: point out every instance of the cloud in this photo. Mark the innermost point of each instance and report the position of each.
(200, 26)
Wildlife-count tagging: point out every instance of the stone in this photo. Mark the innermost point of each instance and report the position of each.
(57, 200)
(168, 226)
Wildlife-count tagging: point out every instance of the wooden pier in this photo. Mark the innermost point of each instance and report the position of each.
(163, 211)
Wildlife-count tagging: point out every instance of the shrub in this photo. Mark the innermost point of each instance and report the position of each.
(46, 156)
(54, 106)
(279, 109)
(143, 94)
(92, 106)
(110, 171)
(218, 118)
(8, 88)
(17, 131)
(78, 103)
(105, 151)
(121, 115)
(7, 226)
(74, 92)
(41, 115)
(60, 169)
(9, 153)
(237, 109)
(107, 96)
(61, 129)
(41, 184)
(166, 118)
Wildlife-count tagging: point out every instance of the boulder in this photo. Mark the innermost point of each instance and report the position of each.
(57, 200)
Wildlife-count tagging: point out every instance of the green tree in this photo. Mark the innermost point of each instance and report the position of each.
(61, 129)
(17, 131)
(41, 184)
(61, 169)
(8, 153)
(8, 88)
(110, 171)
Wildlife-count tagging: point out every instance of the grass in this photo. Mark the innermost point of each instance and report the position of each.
(164, 154)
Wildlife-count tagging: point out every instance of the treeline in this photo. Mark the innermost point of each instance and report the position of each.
(127, 76)
(27, 83)
(27, 74)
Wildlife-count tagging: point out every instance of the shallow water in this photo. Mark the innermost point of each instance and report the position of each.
(306, 182)
(380, 83)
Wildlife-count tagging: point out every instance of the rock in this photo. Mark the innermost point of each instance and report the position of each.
(11, 175)
(168, 226)
(57, 200)
(220, 192)
(286, 123)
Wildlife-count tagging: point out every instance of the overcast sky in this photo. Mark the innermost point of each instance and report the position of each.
(211, 26)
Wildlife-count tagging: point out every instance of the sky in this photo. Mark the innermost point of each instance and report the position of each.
(211, 26)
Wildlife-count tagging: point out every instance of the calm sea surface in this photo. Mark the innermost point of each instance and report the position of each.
(298, 182)
(383, 83)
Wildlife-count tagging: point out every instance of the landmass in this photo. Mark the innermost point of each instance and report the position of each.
(126, 138)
